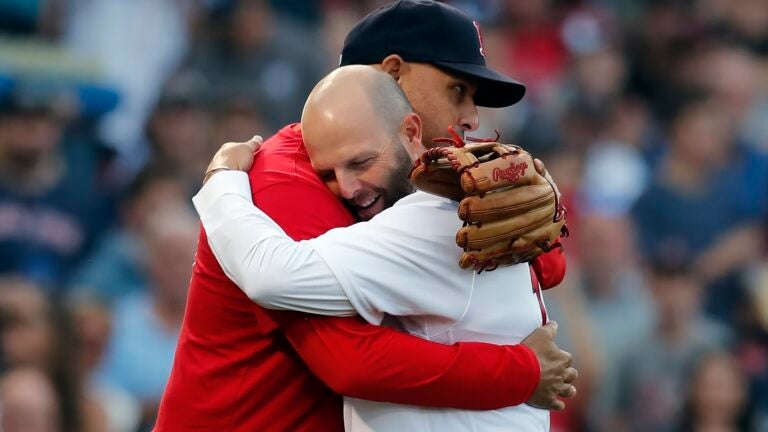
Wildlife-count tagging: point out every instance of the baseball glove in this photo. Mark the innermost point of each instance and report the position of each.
(511, 211)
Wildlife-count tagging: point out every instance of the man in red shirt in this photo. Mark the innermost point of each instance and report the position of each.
(241, 367)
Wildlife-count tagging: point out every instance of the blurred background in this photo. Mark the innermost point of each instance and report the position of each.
(651, 115)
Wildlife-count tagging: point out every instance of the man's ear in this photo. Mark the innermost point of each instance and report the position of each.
(410, 128)
(395, 66)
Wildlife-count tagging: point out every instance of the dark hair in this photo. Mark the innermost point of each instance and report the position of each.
(60, 366)
(150, 174)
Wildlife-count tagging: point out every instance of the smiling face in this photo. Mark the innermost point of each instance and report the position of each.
(365, 167)
(362, 138)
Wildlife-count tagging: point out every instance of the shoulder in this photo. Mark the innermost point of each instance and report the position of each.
(424, 199)
(424, 214)
(416, 224)
(283, 158)
(285, 186)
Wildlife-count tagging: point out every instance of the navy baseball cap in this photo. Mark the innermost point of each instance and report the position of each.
(430, 32)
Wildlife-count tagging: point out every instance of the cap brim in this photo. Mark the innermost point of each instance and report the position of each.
(494, 90)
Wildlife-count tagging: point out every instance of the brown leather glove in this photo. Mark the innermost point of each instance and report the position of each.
(512, 212)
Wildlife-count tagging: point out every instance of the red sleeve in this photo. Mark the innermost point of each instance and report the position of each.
(550, 268)
(361, 360)
(303, 210)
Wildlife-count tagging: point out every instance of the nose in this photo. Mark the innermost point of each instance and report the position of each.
(469, 119)
(348, 184)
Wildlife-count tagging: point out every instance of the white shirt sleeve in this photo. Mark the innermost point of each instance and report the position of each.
(255, 253)
(403, 262)
(396, 264)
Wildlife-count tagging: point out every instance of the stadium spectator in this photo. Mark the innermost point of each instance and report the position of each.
(139, 45)
(180, 128)
(652, 375)
(92, 328)
(28, 402)
(696, 204)
(259, 55)
(37, 335)
(604, 308)
(114, 269)
(146, 324)
(52, 204)
(717, 397)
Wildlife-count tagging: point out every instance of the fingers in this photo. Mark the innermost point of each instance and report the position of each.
(570, 375)
(551, 328)
(552, 404)
(255, 142)
(233, 150)
(557, 374)
(252, 145)
(557, 405)
(234, 156)
(542, 337)
(568, 358)
(567, 391)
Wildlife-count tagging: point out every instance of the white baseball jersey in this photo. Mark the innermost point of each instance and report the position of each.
(403, 263)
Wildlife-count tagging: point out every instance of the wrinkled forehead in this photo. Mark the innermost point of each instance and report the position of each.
(333, 137)
(343, 147)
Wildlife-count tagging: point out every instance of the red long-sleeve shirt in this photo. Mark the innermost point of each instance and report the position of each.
(240, 367)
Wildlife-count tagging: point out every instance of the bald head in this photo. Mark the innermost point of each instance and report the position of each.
(362, 135)
(355, 95)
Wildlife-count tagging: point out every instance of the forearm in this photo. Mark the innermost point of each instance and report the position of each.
(377, 363)
(272, 269)
(734, 249)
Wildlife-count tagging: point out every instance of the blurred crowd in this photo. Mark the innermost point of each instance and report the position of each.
(651, 115)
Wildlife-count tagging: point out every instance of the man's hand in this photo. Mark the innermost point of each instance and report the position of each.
(557, 375)
(236, 156)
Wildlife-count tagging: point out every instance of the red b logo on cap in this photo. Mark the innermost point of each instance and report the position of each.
(479, 37)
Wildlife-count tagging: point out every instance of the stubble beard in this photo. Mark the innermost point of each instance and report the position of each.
(398, 185)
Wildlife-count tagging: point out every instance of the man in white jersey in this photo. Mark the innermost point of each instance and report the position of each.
(402, 263)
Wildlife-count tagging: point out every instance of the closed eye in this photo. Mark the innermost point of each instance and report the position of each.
(361, 163)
